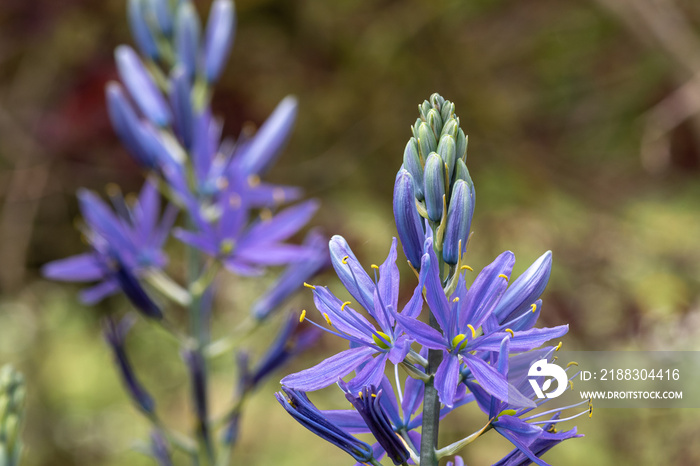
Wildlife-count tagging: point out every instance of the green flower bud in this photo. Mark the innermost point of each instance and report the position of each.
(427, 142)
(412, 163)
(434, 190)
(434, 120)
(446, 150)
(462, 142)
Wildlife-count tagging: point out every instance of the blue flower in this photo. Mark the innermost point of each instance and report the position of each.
(305, 413)
(461, 317)
(124, 245)
(368, 404)
(370, 347)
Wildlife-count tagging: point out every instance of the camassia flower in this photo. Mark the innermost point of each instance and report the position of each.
(305, 413)
(370, 347)
(461, 319)
(124, 244)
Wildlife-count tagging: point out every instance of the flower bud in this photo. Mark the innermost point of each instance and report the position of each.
(160, 10)
(187, 29)
(459, 219)
(411, 162)
(462, 142)
(181, 102)
(447, 111)
(141, 86)
(142, 33)
(434, 189)
(434, 121)
(525, 290)
(446, 150)
(451, 128)
(408, 222)
(219, 38)
(427, 142)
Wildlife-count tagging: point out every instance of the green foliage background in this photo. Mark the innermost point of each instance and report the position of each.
(554, 96)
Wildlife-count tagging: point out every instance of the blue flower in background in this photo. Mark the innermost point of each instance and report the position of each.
(125, 244)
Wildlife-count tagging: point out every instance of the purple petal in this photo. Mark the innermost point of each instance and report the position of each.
(434, 294)
(370, 374)
(80, 268)
(422, 333)
(281, 226)
(447, 378)
(351, 273)
(485, 292)
(487, 376)
(329, 371)
(98, 292)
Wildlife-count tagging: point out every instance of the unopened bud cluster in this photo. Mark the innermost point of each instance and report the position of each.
(434, 185)
(12, 393)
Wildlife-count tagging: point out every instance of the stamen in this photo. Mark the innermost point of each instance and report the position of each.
(456, 300)
(346, 303)
(466, 267)
(473, 330)
(572, 363)
(504, 276)
(571, 384)
(309, 286)
(558, 346)
(533, 307)
(302, 316)
(512, 333)
(328, 319)
(265, 215)
(375, 266)
(345, 259)
(253, 180)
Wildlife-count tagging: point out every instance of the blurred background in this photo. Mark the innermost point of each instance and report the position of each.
(584, 126)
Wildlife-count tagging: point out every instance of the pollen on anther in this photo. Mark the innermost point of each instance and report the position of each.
(346, 303)
(572, 363)
(375, 266)
(558, 346)
(473, 330)
(571, 384)
(345, 259)
(302, 316)
(504, 276)
(328, 319)
(533, 307)
(456, 300)
(466, 267)
(512, 333)
(309, 286)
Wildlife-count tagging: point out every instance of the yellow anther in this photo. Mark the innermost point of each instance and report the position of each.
(459, 340)
(113, 189)
(381, 339)
(590, 412)
(278, 195)
(265, 214)
(375, 266)
(572, 363)
(359, 394)
(554, 358)
(309, 286)
(473, 331)
(552, 429)
(328, 319)
(234, 201)
(504, 276)
(466, 267)
(571, 384)
(302, 316)
(253, 180)
(456, 300)
(345, 259)
(346, 303)
(558, 346)
(512, 333)
(374, 395)
(533, 307)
